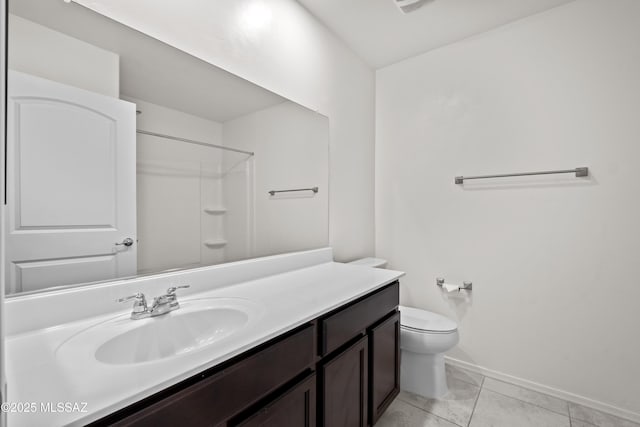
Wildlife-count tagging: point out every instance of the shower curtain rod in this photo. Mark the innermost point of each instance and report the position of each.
(191, 141)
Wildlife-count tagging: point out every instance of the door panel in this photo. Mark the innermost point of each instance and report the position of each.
(71, 183)
(34, 275)
(86, 149)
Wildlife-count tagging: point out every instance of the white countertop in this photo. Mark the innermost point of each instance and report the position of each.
(37, 373)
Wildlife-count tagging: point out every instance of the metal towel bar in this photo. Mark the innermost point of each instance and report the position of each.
(580, 172)
(273, 192)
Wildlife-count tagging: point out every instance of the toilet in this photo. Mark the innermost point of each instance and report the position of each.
(424, 339)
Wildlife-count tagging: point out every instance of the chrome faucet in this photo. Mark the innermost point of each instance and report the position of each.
(167, 302)
(161, 305)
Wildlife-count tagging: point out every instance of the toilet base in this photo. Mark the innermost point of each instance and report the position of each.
(423, 374)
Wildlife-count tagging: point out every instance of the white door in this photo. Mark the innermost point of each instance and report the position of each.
(71, 185)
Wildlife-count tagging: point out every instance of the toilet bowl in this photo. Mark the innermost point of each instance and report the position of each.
(424, 338)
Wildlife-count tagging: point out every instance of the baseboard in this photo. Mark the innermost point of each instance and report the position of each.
(560, 394)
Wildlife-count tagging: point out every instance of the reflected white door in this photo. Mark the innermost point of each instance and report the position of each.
(71, 185)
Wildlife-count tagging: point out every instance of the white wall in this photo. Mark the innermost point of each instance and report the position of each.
(175, 182)
(277, 44)
(42, 52)
(554, 260)
(291, 146)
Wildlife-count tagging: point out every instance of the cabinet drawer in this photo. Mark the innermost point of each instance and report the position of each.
(339, 327)
(215, 399)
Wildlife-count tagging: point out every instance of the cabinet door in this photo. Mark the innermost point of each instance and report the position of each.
(344, 388)
(384, 365)
(295, 408)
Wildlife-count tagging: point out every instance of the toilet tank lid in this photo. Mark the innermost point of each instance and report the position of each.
(427, 321)
(370, 262)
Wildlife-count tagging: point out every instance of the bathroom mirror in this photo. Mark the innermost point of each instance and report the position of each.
(126, 156)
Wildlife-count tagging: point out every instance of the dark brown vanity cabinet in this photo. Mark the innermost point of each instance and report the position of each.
(359, 374)
(340, 370)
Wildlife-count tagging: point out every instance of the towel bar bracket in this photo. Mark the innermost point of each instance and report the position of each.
(582, 172)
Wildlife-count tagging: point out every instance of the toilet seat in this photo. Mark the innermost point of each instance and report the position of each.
(413, 319)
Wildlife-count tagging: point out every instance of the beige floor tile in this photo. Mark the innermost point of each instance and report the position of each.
(578, 423)
(497, 410)
(456, 406)
(548, 402)
(401, 414)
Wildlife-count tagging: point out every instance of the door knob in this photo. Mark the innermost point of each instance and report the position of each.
(126, 242)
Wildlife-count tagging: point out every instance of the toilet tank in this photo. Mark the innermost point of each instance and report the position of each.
(370, 262)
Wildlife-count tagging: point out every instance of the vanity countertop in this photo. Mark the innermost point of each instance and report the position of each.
(38, 374)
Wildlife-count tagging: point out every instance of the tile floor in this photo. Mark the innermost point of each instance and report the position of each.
(477, 401)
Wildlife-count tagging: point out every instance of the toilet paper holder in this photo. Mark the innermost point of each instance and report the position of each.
(466, 286)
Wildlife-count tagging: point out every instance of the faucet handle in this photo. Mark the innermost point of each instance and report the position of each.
(139, 296)
(172, 290)
(139, 306)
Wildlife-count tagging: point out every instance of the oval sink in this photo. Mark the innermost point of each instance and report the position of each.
(196, 324)
(170, 336)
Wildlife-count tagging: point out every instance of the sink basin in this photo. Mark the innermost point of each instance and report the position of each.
(195, 325)
(170, 336)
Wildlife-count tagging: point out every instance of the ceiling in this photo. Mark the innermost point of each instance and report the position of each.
(380, 34)
(151, 70)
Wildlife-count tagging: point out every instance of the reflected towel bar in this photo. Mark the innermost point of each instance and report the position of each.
(273, 192)
(580, 172)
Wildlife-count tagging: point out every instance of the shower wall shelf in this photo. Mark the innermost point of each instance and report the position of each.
(215, 211)
(217, 243)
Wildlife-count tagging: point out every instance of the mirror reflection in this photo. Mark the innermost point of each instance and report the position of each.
(127, 156)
